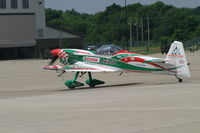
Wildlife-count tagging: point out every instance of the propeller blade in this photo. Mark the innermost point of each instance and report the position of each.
(53, 60)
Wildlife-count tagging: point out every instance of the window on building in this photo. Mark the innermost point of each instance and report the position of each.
(14, 4)
(2, 4)
(25, 3)
(40, 33)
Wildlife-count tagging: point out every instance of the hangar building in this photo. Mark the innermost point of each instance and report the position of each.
(23, 30)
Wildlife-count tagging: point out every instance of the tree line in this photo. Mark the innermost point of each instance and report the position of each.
(166, 23)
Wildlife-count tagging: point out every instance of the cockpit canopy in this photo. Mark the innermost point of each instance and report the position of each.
(108, 49)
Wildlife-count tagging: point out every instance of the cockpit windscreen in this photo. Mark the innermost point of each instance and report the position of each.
(108, 50)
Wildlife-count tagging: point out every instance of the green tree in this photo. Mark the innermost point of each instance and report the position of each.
(166, 21)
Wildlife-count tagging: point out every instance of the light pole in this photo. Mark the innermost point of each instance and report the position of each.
(142, 33)
(131, 36)
(148, 35)
(137, 37)
(126, 28)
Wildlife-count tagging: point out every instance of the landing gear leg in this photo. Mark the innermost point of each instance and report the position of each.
(179, 79)
(93, 82)
(90, 83)
(71, 84)
(76, 76)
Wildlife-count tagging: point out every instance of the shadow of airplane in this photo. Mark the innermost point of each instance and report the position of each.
(102, 86)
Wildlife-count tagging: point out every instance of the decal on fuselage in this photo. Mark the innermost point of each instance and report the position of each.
(91, 59)
(107, 61)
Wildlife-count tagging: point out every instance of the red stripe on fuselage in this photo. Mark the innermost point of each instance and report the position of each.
(137, 59)
(129, 59)
(156, 65)
(126, 52)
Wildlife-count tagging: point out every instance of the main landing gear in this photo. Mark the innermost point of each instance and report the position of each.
(71, 84)
(179, 79)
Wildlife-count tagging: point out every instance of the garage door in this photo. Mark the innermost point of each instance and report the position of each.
(17, 30)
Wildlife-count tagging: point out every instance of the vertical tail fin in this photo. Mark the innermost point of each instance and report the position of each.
(176, 56)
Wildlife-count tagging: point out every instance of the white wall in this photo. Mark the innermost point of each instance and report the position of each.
(39, 10)
(34, 7)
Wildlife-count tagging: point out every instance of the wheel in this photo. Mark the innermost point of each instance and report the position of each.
(92, 86)
(180, 80)
(71, 87)
(69, 84)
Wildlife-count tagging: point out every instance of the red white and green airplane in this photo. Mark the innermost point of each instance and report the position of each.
(85, 61)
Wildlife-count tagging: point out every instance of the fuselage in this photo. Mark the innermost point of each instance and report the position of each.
(122, 61)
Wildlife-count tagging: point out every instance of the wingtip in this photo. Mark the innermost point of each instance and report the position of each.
(45, 67)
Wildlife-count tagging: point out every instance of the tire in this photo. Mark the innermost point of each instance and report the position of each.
(180, 80)
(92, 86)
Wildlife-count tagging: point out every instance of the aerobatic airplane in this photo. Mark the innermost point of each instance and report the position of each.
(84, 61)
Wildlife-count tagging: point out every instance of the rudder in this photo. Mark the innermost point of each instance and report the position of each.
(176, 56)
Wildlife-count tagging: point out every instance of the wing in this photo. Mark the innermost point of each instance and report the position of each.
(56, 67)
(82, 67)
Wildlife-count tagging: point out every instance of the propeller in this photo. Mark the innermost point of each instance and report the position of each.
(53, 60)
(55, 56)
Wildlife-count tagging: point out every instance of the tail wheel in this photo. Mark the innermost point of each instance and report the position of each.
(180, 80)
